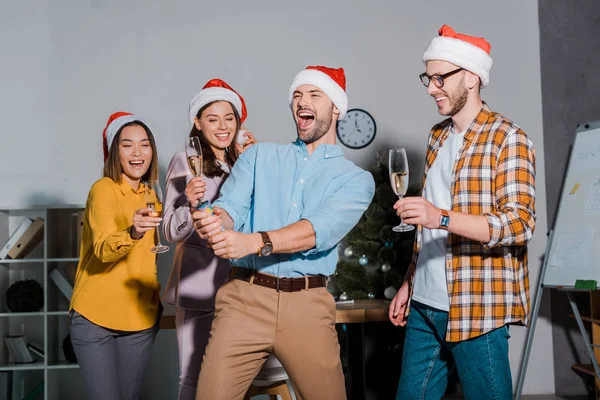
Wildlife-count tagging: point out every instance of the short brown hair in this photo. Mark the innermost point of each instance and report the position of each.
(210, 167)
(112, 164)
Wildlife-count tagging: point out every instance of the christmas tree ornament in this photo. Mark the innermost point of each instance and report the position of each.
(371, 295)
(389, 292)
(344, 296)
(363, 261)
(348, 252)
(386, 267)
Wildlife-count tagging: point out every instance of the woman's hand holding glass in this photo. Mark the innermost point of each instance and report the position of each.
(194, 191)
(143, 221)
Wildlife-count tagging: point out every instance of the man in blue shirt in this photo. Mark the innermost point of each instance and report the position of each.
(284, 209)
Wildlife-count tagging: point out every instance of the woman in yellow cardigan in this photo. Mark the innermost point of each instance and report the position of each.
(115, 306)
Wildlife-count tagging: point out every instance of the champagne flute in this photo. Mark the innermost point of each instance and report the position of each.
(154, 201)
(398, 164)
(193, 152)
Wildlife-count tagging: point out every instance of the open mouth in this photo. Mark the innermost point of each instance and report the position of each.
(440, 99)
(224, 136)
(137, 164)
(305, 119)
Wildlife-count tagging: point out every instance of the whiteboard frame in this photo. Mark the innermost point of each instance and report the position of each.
(584, 127)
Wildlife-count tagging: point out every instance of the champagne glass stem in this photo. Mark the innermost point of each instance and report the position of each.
(402, 227)
(401, 221)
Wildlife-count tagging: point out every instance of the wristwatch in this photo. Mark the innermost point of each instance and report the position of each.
(267, 246)
(444, 220)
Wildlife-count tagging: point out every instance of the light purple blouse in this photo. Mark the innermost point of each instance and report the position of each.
(197, 273)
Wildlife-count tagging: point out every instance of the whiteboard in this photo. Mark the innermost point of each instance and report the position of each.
(575, 248)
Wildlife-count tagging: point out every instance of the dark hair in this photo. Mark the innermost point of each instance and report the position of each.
(210, 167)
(112, 164)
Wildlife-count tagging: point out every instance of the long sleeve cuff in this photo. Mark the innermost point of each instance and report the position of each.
(115, 246)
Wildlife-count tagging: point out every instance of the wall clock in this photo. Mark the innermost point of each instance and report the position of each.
(357, 129)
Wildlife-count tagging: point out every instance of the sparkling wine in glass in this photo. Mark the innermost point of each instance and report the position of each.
(193, 152)
(398, 164)
(154, 201)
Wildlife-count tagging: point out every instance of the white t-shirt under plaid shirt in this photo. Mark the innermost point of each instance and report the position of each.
(430, 275)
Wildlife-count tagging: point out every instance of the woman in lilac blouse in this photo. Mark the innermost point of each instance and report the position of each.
(216, 114)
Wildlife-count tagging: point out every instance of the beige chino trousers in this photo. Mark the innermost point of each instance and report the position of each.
(252, 322)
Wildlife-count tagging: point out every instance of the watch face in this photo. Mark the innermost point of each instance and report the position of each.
(266, 250)
(445, 221)
(357, 129)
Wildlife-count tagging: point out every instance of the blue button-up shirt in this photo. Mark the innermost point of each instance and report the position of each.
(272, 186)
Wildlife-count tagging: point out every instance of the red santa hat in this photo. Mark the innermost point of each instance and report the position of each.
(469, 52)
(330, 80)
(217, 89)
(113, 125)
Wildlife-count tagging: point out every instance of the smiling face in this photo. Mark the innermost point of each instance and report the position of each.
(218, 124)
(135, 152)
(314, 113)
(452, 96)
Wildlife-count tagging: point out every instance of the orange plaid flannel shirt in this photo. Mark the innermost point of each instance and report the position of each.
(488, 283)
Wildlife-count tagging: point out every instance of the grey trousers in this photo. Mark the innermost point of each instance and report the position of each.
(112, 362)
(193, 329)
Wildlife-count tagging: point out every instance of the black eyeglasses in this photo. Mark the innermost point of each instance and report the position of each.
(438, 80)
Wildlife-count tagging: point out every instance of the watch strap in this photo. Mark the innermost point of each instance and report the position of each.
(265, 240)
(265, 237)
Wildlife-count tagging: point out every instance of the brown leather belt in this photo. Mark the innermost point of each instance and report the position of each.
(279, 284)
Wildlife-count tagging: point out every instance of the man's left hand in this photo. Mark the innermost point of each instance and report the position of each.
(418, 211)
(231, 244)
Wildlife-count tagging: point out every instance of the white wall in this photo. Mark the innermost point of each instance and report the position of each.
(68, 65)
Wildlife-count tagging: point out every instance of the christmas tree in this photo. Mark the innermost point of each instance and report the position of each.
(374, 258)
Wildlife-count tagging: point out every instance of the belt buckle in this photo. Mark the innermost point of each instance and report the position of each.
(278, 279)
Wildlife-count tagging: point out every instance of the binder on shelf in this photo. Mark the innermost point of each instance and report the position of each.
(10, 347)
(62, 281)
(28, 240)
(37, 350)
(14, 237)
(18, 349)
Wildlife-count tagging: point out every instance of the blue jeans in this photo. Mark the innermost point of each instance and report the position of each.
(481, 363)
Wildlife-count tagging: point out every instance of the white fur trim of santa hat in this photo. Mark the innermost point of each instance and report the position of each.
(115, 125)
(211, 94)
(326, 84)
(461, 53)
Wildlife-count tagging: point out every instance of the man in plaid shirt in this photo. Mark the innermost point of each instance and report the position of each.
(468, 280)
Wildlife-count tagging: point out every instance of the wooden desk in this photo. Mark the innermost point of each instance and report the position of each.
(354, 315)
(362, 311)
